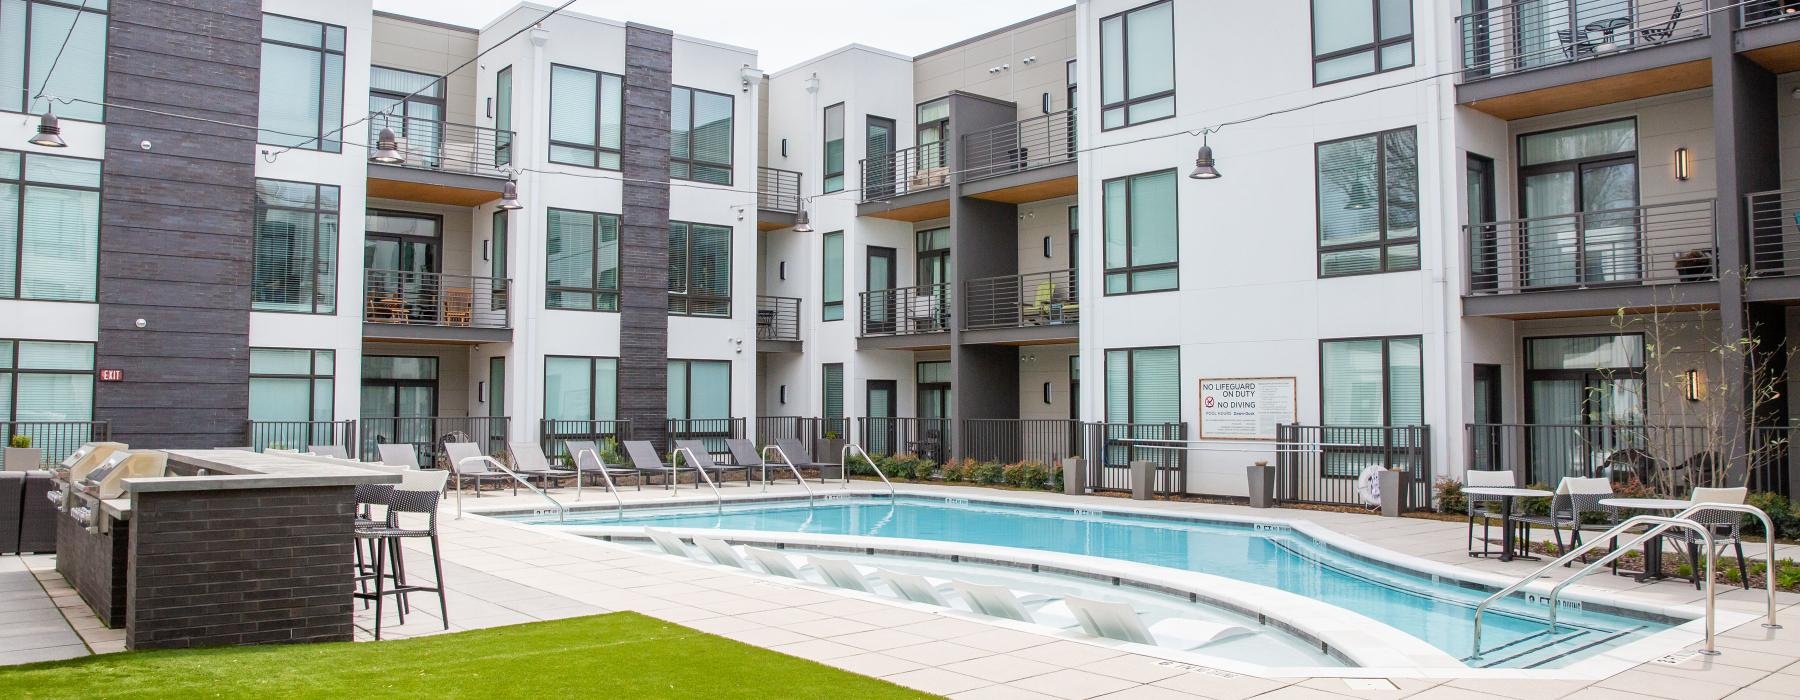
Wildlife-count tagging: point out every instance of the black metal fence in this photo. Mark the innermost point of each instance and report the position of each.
(894, 173)
(1670, 456)
(713, 432)
(777, 190)
(1009, 440)
(1516, 36)
(1651, 244)
(1322, 464)
(56, 439)
(777, 318)
(1774, 463)
(433, 144)
(1110, 448)
(886, 435)
(1037, 142)
(425, 433)
(1013, 301)
(806, 430)
(300, 434)
(552, 433)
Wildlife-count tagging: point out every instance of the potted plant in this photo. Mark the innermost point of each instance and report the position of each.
(21, 456)
(1396, 482)
(828, 450)
(1074, 470)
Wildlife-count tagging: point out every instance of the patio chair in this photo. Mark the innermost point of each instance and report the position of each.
(1662, 32)
(1038, 309)
(1477, 505)
(1573, 46)
(801, 457)
(1119, 621)
(744, 454)
(843, 573)
(920, 589)
(668, 543)
(1726, 525)
(645, 460)
(704, 460)
(470, 465)
(399, 454)
(721, 552)
(328, 451)
(529, 461)
(588, 456)
(1575, 498)
(998, 601)
(777, 563)
(419, 492)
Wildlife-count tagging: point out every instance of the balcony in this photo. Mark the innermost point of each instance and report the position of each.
(1531, 57)
(777, 324)
(1021, 309)
(1774, 221)
(432, 306)
(777, 198)
(1765, 34)
(443, 163)
(1590, 262)
(908, 184)
(906, 317)
(1026, 161)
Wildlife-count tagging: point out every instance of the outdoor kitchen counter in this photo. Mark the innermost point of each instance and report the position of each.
(218, 470)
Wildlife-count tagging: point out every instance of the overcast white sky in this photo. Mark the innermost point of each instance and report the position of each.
(784, 32)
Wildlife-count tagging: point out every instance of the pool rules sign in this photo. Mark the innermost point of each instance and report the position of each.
(1245, 408)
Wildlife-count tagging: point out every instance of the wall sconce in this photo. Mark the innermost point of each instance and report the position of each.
(480, 392)
(784, 394)
(487, 249)
(1047, 393)
(784, 148)
(1683, 167)
(1049, 250)
(1693, 385)
(782, 270)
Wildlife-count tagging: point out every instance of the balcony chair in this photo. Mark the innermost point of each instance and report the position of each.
(1573, 47)
(1037, 311)
(1662, 32)
(459, 305)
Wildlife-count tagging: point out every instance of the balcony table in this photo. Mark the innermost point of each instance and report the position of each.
(1506, 495)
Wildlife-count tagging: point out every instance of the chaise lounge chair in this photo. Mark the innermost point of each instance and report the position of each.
(1119, 621)
(399, 454)
(468, 464)
(529, 461)
(703, 460)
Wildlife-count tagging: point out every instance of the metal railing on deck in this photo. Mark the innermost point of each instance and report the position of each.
(713, 432)
(806, 430)
(1036, 142)
(55, 439)
(1653, 244)
(1757, 12)
(912, 169)
(1009, 440)
(435, 299)
(777, 318)
(1526, 34)
(299, 434)
(889, 435)
(1110, 451)
(777, 190)
(433, 144)
(425, 432)
(1321, 464)
(1774, 462)
(1014, 301)
(1672, 457)
(1774, 221)
(552, 433)
(906, 310)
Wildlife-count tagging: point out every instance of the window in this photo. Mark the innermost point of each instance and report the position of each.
(46, 381)
(932, 266)
(32, 33)
(302, 92)
(583, 272)
(503, 116)
(587, 115)
(1137, 66)
(292, 385)
(1141, 247)
(1579, 188)
(412, 105)
(699, 269)
(1369, 204)
(832, 282)
(1369, 383)
(1143, 385)
(934, 382)
(700, 390)
(496, 387)
(1354, 38)
(933, 120)
(834, 148)
(497, 256)
(294, 266)
(581, 388)
(49, 227)
(832, 379)
(700, 136)
(1593, 379)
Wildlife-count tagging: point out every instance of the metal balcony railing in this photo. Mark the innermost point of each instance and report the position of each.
(1022, 145)
(777, 190)
(408, 298)
(55, 439)
(1016, 301)
(1527, 34)
(1653, 244)
(777, 318)
(1757, 12)
(906, 310)
(891, 174)
(1774, 233)
(431, 144)
(300, 434)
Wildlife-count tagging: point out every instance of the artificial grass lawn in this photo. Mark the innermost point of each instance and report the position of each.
(618, 655)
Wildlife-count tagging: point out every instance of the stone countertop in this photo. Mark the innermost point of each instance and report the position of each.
(238, 469)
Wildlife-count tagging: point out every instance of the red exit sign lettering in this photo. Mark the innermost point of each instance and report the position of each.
(112, 375)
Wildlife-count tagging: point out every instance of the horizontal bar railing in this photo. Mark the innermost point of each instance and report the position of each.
(1652, 244)
(713, 432)
(906, 310)
(427, 433)
(407, 298)
(777, 318)
(433, 144)
(55, 439)
(1110, 448)
(1015, 301)
(1037, 142)
(805, 429)
(1322, 464)
(300, 434)
(1672, 458)
(1757, 12)
(554, 432)
(916, 168)
(1009, 440)
(777, 190)
(1774, 222)
(1529, 34)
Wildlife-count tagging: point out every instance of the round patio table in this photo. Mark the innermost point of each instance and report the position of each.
(1506, 496)
(1653, 548)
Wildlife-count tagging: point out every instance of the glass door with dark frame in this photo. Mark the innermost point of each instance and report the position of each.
(931, 310)
(878, 142)
(933, 134)
(1579, 193)
(399, 399)
(1557, 31)
(418, 121)
(883, 406)
(1584, 401)
(931, 435)
(1484, 248)
(1484, 444)
(881, 316)
(401, 259)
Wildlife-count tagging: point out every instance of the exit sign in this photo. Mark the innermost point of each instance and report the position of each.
(112, 375)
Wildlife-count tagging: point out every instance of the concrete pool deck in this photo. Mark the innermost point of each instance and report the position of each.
(502, 573)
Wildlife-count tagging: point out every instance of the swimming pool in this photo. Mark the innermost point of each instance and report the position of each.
(1429, 607)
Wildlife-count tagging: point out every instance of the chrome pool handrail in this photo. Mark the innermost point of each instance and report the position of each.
(1664, 524)
(562, 511)
(790, 464)
(844, 464)
(610, 486)
(718, 499)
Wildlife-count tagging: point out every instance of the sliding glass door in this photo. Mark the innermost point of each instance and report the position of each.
(1579, 197)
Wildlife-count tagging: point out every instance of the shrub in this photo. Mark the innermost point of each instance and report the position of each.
(1787, 575)
(1056, 478)
(19, 441)
(859, 466)
(985, 473)
(1535, 506)
(1028, 474)
(1450, 496)
(1633, 488)
(1782, 513)
(954, 473)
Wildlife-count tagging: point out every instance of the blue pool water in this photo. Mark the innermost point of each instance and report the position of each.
(1439, 613)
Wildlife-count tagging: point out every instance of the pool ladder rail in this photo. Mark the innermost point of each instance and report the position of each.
(790, 465)
(1659, 524)
(675, 472)
(611, 487)
(844, 464)
(562, 511)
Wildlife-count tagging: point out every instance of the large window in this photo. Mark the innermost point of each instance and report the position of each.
(1368, 198)
(700, 390)
(412, 104)
(831, 378)
(587, 115)
(831, 284)
(1143, 385)
(291, 385)
(1141, 233)
(1579, 193)
(49, 227)
(32, 34)
(700, 136)
(1369, 383)
(1354, 38)
(294, 266)
(834, 148)
(699, 269)
(581, 388)
(503, 84)
(583, 270)
(45, 381)
(302, 91)
(1137, 66)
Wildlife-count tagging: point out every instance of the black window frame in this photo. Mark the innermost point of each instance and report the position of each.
(843, 277)
(599, 109)
(690, 161)
(22, 182)
(1131, 382)
(27, 91)
(312, 375)
(1129, 270)
(1125, 71)
(319, 253)
(593, 386)
(13, 370)
(1384, 243)
(825, 150)
(1374, 47)
(688, 401)
(503, 134)
(596, 292)
(688, 257)
(1325, 462)
(330, 136)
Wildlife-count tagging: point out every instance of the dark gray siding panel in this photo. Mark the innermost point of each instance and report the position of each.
(176, 220)
(644, 255)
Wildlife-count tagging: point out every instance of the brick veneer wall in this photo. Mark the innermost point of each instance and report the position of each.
(95, 565)
(257, 566)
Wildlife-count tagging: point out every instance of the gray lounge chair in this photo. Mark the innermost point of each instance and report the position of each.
(744, 454)
(467, 469)
(528, 461)
(802, 458)
(328, 451)
(398, 454)
(591, 463)
(646, 461)
(704, 460)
